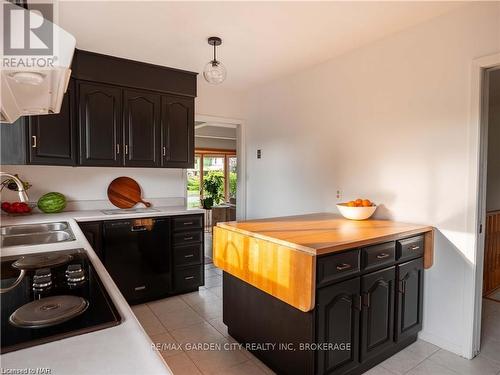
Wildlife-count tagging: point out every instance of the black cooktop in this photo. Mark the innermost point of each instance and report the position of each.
(60, 296)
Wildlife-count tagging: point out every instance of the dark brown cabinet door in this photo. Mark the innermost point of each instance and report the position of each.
(338, 324)
(142, 128)
(177, 132)
(410, 298)
(100, 123)
(52, 138)
(93, 233)
(377, 314)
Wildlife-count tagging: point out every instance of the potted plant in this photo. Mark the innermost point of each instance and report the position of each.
(213, 185)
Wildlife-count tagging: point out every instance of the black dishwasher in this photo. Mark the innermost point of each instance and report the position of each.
(138, 257)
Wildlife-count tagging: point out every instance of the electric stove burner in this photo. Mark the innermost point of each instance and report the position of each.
(31, 262)
(48, 311)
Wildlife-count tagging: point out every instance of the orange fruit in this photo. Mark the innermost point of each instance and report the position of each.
(366, 203)
(358, 202)
(351, 204)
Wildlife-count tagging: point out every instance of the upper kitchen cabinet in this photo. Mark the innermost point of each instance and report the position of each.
(142, 128)
(100, 123)
(177, 132)
(52, 138)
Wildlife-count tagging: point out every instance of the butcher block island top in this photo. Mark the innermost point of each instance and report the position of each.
(278, 255)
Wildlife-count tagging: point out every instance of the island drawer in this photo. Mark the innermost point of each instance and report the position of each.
(333, 267)
(378, 255)
(188, 255)
(187, 222)
(184, 238)
(410, 247)
(188, 278)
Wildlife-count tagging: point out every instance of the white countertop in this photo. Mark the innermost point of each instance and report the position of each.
(123, 349)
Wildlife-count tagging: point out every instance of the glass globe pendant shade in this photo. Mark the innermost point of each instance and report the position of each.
(214, 72)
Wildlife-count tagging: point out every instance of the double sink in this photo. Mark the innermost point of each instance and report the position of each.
(35, 234)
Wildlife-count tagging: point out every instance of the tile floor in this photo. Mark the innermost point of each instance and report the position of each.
(197, 318)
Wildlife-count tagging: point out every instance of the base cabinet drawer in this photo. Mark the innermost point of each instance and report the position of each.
(337, 266)
(188, 255)
(184, 238)
(377, 256)
(188, 278)
(187, 222)
(410, 248)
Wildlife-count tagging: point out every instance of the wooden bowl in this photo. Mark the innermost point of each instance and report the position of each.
(356, 213)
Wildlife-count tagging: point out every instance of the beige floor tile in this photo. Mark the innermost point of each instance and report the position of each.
(490, 349)
(179, 318)
(167, 305)
(211, 272)
(198, 333)
(246, 368)
(166, 345)
(261, 365)
(422, 348)
(403, 361)
(148, 320)
(216, 290)
(180, 364)
(429, 367)
(214, 361)
(209, 266)
(219, 325)
(200, 296)
(378, 370)
(209, 309)
(476, 366)
(213, 281)
(218, 271)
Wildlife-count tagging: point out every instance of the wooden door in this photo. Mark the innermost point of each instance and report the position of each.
(338, 323)
(100, 123)
(177, 132)
(377, 314)
(410, 276)
(142, 128)
(52, 138)
(491, 279)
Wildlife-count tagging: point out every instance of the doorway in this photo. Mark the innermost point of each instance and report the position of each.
(217, 181)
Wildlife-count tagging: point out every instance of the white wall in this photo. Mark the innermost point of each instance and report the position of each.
(389, 121)
(493, 184)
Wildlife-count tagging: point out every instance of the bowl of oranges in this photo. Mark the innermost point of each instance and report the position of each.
(359, 209)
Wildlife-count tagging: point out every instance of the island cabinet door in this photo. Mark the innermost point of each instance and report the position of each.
(338, 327)
(377, 313)
(409, 299)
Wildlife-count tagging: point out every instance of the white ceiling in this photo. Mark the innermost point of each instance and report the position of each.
(261, 40)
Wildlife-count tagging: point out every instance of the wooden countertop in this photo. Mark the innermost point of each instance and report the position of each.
(324, 233)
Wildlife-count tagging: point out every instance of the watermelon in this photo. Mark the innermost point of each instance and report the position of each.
(52, 202)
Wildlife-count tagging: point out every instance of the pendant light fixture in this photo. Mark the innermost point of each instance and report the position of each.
(215, 71)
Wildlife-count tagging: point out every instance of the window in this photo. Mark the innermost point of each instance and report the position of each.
(209, 162)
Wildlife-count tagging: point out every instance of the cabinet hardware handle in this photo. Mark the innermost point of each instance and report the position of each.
(117, 148)
(33, 137)
(402, 286)
(367, 299)
(189, 256)
(126, 149)
(189, 277)
(188, 238)
(138, 229)
(188, 223)
(382, 256)
(140, 288)
(414, 247)
(164, 151)
(343, 266)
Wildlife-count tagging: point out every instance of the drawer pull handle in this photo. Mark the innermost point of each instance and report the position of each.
(188, 223)
(189, 256)
(343, 266)
(188, 238)
(138, 229)
(189, 277)
(140, 288)
(382, 256)
(414, 247)
(33, 144)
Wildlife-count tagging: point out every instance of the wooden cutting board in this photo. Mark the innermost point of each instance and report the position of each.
(125, 192)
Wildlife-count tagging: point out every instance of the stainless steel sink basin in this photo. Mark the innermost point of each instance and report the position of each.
(33, 228)
(35, 234)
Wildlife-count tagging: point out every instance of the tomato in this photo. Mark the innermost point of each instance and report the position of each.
(6, 206)
(25, 209)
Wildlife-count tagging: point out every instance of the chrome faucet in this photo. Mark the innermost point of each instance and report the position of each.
(23, 196)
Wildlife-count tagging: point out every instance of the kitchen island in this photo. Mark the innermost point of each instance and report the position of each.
(319, 294)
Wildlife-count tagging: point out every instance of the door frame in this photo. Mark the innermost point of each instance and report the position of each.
(478, 131)
(239, 125)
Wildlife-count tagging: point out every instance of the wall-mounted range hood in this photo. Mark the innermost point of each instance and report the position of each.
(32, 84)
